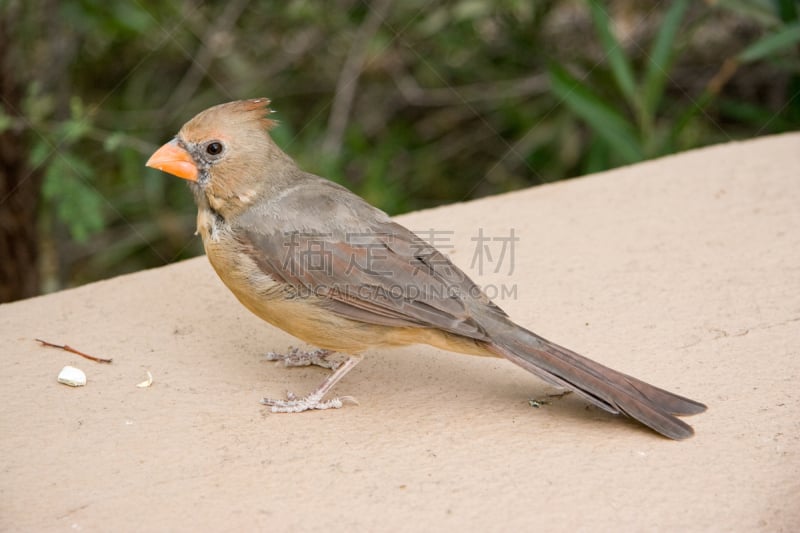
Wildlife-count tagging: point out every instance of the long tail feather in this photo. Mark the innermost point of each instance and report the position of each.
(607, 388)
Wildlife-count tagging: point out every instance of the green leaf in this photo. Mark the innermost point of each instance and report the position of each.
(603, 119)
(113, 141)
(620, 67)
(596, 157)
(77, 205)
(660, 56)
(787, 10)
(5, 121)
(759, 117)
(697, 107)
(770, 44)
(73, 130)
(471, 9)
(42, 149)
(761, 11)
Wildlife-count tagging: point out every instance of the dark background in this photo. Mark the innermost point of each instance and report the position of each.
(410, 104)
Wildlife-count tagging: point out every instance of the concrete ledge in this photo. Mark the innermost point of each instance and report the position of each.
(683, 271)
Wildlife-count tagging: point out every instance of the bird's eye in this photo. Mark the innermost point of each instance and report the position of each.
(214, 148)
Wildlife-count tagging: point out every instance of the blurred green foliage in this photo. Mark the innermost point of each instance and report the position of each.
(411, 104)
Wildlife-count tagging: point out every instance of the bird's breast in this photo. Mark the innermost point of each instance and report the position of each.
(236, 267)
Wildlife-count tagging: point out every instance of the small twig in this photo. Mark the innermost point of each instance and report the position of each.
(539, 403)
(202, 58)
(70, 349)
(723, 76)
(414, 93)
(347, 84)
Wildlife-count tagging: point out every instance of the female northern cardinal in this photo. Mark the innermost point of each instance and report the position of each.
(317, 261)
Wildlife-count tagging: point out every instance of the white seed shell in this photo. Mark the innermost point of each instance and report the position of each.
(74, 377)
(146, 383)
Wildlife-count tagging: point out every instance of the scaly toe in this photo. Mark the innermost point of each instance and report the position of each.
(296, 357)
(293, 404)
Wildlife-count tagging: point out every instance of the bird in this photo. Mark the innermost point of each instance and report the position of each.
(314, 259)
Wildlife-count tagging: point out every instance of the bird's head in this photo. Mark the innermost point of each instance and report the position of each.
(227, 154)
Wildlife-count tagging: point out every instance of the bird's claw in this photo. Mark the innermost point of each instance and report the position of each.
(293, 404)
(298, 357)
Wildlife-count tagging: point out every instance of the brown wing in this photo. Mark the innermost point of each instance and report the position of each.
(387, 276)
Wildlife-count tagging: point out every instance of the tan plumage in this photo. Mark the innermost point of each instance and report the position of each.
(372, 283)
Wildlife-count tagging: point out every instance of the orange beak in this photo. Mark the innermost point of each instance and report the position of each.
(175, 160)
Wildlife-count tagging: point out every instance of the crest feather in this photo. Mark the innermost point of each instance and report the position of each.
(236, 112)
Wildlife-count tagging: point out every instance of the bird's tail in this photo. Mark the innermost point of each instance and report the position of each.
(611, 390)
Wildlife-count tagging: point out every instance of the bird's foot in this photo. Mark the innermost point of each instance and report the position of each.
(293, 404)
(298, 357)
